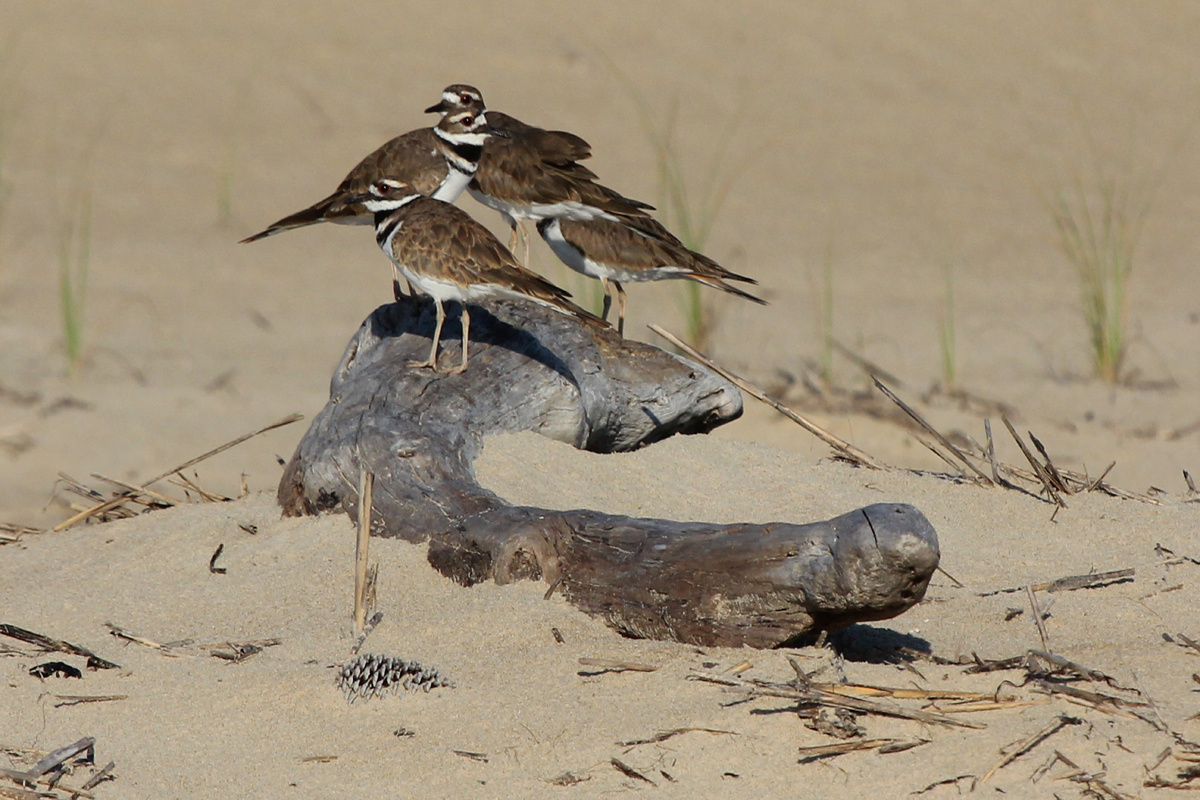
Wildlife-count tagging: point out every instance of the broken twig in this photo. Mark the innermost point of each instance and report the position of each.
(366, 487)
(917, 418)
(56, 645)
(1033, 741)
(842, 447)
(609, 665)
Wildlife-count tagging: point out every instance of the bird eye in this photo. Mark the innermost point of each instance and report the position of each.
(468, 121)
(383, 188)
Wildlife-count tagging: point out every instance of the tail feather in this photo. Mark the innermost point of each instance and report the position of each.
(536, 288)
(328, 210)
(719, 283)
(583, 315)
(721, 272)
(653, 229)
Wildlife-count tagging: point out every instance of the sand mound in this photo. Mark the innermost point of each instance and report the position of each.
(202, 726)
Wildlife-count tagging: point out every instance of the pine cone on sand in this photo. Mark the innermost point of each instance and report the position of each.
(373, 675)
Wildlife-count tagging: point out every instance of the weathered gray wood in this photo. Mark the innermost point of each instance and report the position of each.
(531, 368)
(535, 369)
(727, 585)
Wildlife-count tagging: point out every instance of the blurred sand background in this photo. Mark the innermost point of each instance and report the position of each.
(879, 144)
(892, 141)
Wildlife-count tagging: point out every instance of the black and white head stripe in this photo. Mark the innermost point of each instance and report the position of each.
(464, 133)
(463, 97)
(386, 195)
(456, 97)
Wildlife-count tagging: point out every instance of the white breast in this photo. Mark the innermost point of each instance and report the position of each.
(566, 252)
(452, 186)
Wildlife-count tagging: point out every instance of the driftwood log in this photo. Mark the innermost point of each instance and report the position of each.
(536, 369)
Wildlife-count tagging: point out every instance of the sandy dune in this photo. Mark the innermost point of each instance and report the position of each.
(877, 145)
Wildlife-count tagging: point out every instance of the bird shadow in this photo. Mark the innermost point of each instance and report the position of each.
(868, 644)
(416, 316)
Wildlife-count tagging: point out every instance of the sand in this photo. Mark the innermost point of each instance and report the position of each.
(881, 145)
(199, 726)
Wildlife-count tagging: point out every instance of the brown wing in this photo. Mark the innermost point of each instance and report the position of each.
(511, 172)
(443, 241)
(534, 165)
(412, 157)
(555, 147)
(646, 246)
(655, 230)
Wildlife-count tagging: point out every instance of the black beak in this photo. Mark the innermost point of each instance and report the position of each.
(440, 108)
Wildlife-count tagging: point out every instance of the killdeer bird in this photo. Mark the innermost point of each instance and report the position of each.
(446, 254)
(532, 173)
(634, 249)
(438, 161)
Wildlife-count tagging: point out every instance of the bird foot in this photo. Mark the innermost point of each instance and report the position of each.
(426, 364)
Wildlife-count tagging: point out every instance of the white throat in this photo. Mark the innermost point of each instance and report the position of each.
(450, 188)
(475, 138)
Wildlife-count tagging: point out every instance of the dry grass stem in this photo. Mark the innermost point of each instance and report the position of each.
(192, 485)
(872, 369)
(1026, 745)
(366, 488)
(812, 694)
(611, 665)
(885, 746)
(121, 633)
(1051, 470)
(662, 736)
(629, 771)
(374, 621)
(288, 420)
(79, 699)
(50, 645)
(1037, 618)
(14, 533)
(958, 454)
(1038, 470)
(844, 449)
(106, 506)
(136, 490)
(104, 773)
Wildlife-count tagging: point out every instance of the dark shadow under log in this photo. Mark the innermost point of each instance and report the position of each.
(535, 369)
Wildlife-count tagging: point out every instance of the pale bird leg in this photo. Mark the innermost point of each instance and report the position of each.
(466, 327)
(396, 293)
(524, 236)
(512, 237)
(437, 336)
(607, 299)
(397, 276)
(620, 309)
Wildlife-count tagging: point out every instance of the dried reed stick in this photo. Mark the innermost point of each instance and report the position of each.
(917, 418)
(843, 448)
(366, 490)
(108, 505)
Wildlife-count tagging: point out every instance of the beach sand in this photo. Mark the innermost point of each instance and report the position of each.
(874, 148)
